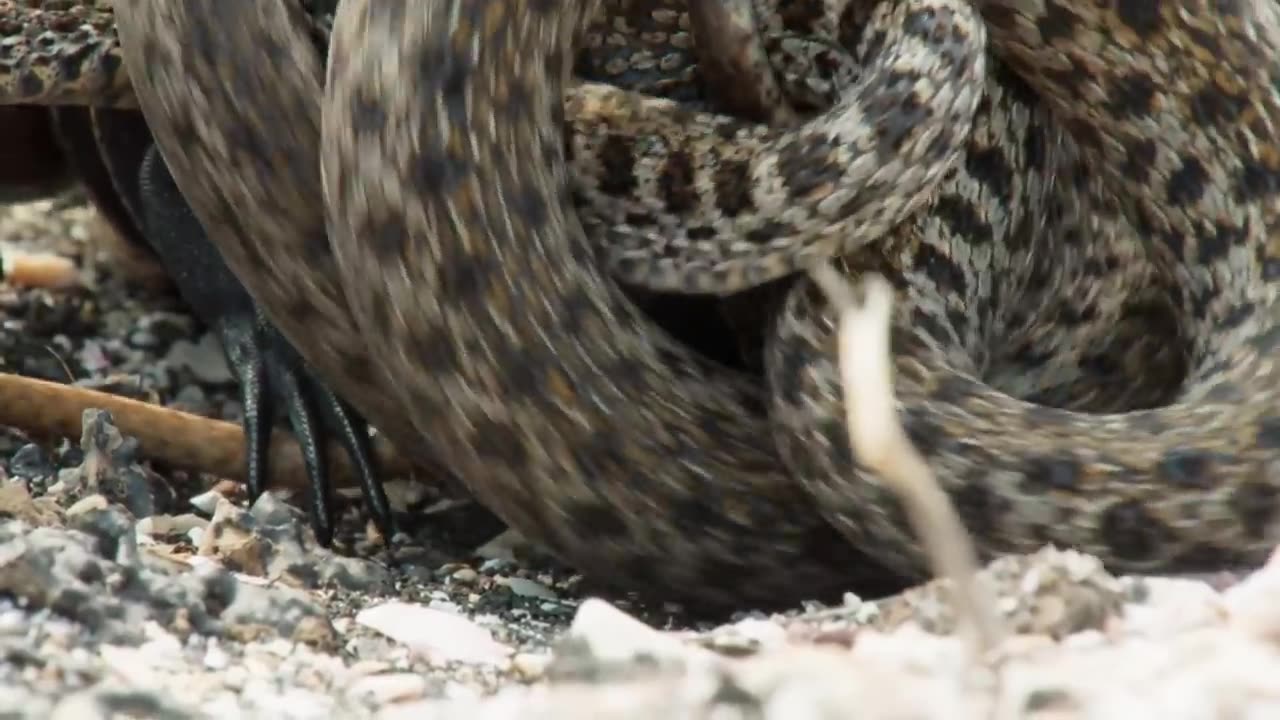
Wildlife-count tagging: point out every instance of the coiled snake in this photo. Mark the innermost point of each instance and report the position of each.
(486, 321)
(464, 170)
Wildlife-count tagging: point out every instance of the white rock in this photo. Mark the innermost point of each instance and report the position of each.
(436, 635)
(388, 688)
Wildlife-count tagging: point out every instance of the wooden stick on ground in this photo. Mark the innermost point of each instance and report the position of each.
(178, 439)
(881, 444)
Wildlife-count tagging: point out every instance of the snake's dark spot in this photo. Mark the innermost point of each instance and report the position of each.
(1056, 24)
(1084, 132)
(1131, 95)
(1256, 181)
(435, 171)
(1237, 315)
(618, 157)
(1188, 183)
(1215, 245)
(530, 207)
(693, 232)
(946, 274)
(1141, 16)
(1213, 106)
(767, 232)
(954, 389)
(446, 74)
(1187, 468)
(789, 360)
(991, 166)
(367, 115)
(979, 507)
(675, 182)
(1257, 504)
(898, 113)
(1074, 315)
(963, 220)
(872, 43)
(733, 184)
(836, 435)
(463, 279)
(1048, 474)
(387, 238)
(1268, 435)
(434, 353)
(960, 320)
(1133, 533)
(926, 322)
(929, 438)
(807, 166)
(529, 373)
(498, 442)
(1209, 42)
(1140, 157)
(316, 248)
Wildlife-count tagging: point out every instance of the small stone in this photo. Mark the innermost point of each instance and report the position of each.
(529, 588)
(388, 688)
(16, 503)
(204, 360)
(270, 510)
(531, 666)
(465, 575)
(164, 327)
(191, 399)
(207, 502)
(111, 525)
(31, 462)
(170, 525)
(215, 658)
(436, 635)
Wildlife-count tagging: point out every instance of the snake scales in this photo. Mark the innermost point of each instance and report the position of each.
(533, 385)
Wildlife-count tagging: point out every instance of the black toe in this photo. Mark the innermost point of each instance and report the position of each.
(272, 376)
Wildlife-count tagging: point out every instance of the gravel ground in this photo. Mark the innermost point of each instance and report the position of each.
(128, 590)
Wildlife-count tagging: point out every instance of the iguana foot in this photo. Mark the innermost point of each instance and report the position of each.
(115, 156)
(273, 376)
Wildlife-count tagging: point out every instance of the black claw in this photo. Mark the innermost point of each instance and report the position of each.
(243, 347)
(273, 377)
(123, 169)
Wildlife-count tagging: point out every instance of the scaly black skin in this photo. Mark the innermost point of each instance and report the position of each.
(114, 155)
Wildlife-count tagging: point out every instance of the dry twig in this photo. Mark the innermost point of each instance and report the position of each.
(882, 446)
(175, 438)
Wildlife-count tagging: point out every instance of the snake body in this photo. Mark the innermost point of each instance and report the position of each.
(523, 457)
(1184, 159)
(1164, 195)
(454, 255)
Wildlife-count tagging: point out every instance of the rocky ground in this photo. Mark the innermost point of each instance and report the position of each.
(133, 590)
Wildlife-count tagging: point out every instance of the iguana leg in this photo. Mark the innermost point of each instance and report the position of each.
(116, 145)
(105, 149)
(273, 376)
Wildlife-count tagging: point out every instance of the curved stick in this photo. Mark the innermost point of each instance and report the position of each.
(175, 438)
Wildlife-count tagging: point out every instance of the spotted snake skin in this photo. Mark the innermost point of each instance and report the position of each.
(1143, 188)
